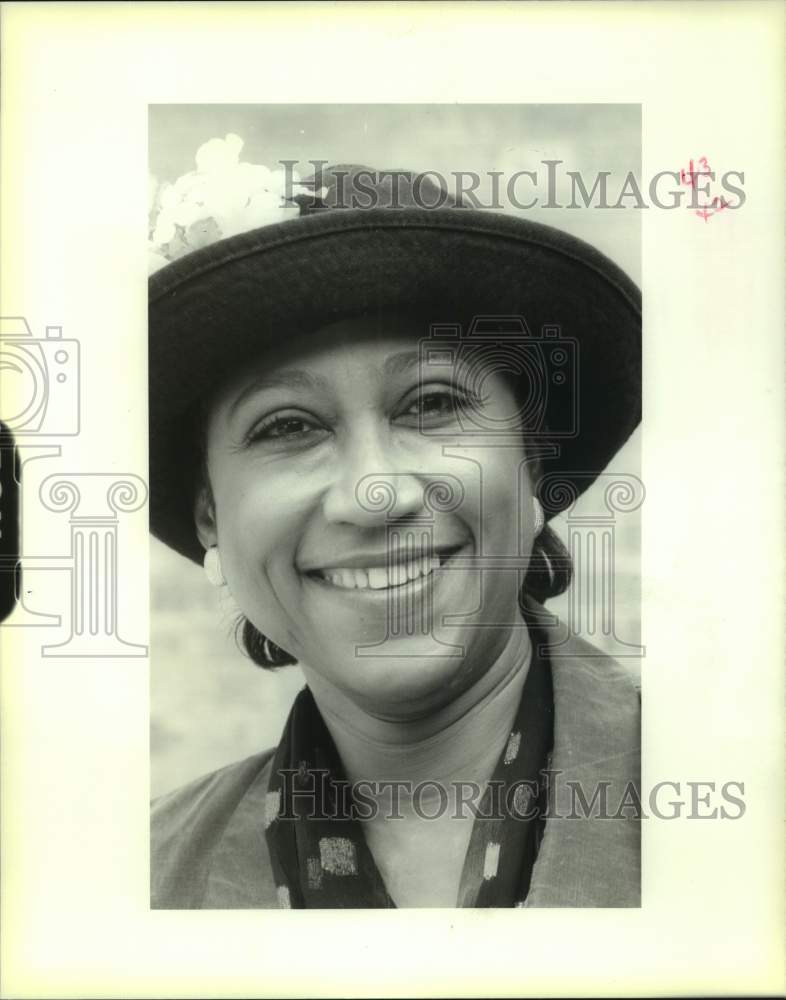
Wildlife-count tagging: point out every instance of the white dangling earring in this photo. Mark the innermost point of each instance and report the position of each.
(540, 517)
(212, 564)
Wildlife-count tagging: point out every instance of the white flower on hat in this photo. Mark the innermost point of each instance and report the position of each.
(221, 198)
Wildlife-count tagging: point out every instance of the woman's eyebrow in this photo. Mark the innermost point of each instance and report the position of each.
(288, 378)
(397, 364)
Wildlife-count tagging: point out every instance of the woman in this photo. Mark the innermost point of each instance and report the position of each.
(354, 401)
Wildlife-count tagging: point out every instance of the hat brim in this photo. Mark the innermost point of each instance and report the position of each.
(219, 307)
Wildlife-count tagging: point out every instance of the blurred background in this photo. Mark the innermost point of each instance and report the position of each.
(209, 704)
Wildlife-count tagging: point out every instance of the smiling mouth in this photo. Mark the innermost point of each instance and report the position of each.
(397, 574)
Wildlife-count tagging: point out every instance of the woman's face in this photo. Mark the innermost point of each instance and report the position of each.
(335, 538)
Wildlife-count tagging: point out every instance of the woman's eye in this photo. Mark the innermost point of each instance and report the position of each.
(287, 429)
(438, 404)
(435, 403)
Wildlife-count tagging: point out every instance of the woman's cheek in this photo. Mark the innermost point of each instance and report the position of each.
(261, 573)
(507, 500)
(246, 522)
(266, 523)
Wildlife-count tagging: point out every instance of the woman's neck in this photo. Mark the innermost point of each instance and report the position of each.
(461, 741)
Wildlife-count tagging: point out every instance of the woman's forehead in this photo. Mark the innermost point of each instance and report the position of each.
(380, 347)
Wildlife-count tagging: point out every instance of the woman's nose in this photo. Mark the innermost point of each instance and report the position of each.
(372, 483)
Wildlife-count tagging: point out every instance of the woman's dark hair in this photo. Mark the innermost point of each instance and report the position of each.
(549, 573)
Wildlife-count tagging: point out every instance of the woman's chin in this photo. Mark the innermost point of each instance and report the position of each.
(400, 685)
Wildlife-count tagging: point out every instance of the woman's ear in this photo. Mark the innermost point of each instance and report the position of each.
(205, 517)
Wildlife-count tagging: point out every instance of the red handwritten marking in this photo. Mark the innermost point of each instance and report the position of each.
(688, 177)
(715, 206)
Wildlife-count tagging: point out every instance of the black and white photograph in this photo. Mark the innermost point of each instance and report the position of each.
(373, 391)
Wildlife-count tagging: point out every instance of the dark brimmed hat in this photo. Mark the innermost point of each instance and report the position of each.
(215, 309)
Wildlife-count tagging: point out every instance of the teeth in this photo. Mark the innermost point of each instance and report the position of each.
(381, 577)
(397, 574)
(377, 578)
